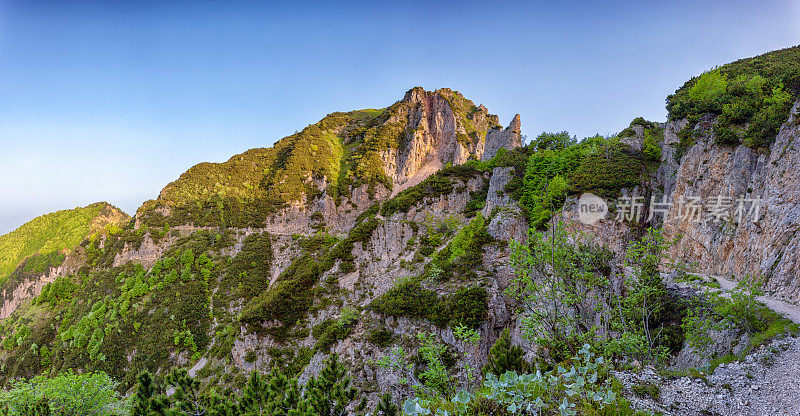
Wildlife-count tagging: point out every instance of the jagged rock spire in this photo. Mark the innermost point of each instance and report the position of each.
(510, 138)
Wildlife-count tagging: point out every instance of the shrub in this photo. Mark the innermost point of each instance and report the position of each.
(407, 298)
(685, 141)
(332, 330)
(650, 390)
(707, 93)
(381, 337)
(65, 395)
(723, 135)
(463, 256)
(58, 291)
(606, 174)
(504, 357)
(467, 307)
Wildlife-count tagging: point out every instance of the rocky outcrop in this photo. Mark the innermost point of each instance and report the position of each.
(510, 138)
(767, 244)
(436, 135)
(440, 132)
(303, 218)
(25, 290)
(146, 253)
(507, 222)
(432, 129)
(668, 170)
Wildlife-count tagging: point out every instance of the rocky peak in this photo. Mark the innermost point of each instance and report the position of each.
(516, 125)
(415, 95)
(510, 138)
(329, 166)
(443, 127)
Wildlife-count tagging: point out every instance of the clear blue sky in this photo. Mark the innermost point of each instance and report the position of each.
(112, 100)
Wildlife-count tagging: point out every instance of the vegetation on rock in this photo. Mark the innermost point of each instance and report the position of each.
(748, 99)
(47, 236)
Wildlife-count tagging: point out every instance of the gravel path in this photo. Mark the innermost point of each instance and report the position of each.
(786, 309)
(766, 382)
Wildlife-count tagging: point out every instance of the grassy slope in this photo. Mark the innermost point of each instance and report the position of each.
(51, 233)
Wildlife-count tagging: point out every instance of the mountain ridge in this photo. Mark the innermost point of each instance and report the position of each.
(334, 165)
(403, 221)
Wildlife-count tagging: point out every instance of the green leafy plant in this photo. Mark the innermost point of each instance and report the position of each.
(67, 394)
(555, 281)
(563, 391)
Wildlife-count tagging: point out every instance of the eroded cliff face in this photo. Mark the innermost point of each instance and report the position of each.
(389, 256)
(768, 245)
(439, 132)
(432, 126)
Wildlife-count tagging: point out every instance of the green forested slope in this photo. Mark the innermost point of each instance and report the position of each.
(52, 233)
(749, 99)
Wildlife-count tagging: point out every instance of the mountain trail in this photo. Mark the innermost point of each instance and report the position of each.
(788, 310)
(765, 382)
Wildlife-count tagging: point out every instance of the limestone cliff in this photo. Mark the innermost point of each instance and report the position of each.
(768, 245)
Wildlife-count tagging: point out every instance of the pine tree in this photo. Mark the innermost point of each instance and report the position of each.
(148, 400)
(386, 407)
(287, 397)
(254, 396)
(505, 357)
(330, 393)
(187, 399)
(274, 395)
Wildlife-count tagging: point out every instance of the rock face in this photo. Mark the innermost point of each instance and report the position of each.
(510, 138)
(432, 138)
(667, 171)
(437, 134)
(12, 299)
(768, 245)
(507, 221)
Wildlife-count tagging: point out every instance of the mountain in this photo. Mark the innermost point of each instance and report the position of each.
(264, 243)
(374, 230)
(54, 232)
(40, 246)
(333, 167)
